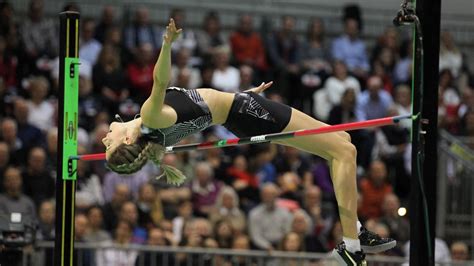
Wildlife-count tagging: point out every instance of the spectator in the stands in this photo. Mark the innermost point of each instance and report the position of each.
(334, 88)
(351, 49)
(302, 225)
(81, 226)
(28, 133)
(227, 207)
(129, 214)
(133, 182)
(182, 64)
(224, 233)
(390, 39)
(41, 109)
(459, 251)
(9, 134)
(114, 37)
(96, 233)
(109, 79)
(373, 189)
(140, 72)
(450, 57)
(39, 35)
(243, 181)
(225, 76)
(13, 200)
(247, 45)
(402, 71)
(267, 222)
(141, 32)
(374, 101)
(187, 38)
(37, 181)
(448, 102)
(467, 101)
(402, 103)
(204, 189)
(284, 55)
(209, 37)
(314, 50)
(383, 67)
(8, 66)
(88, 186)
(399, 226)
(246, 77)
(467, 124)
(184, 216)
(322, 213)
(46, 230)
(4, 161)
(106, 22)
(114, 256)
(150, 210)
(6, 18)
(112, 208)
(294, 160)
(89, 47)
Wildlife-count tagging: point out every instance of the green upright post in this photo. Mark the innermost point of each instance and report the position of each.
(67, 137)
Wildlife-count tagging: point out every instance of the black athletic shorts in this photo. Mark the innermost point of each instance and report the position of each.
(253, 115)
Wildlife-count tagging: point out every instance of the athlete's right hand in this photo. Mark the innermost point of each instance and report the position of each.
(172, 33)
(261, 88)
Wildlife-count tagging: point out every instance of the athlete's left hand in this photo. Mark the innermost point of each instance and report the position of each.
(261, 88)
(172, 33)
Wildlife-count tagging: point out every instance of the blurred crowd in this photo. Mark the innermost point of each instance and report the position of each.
(264, 197)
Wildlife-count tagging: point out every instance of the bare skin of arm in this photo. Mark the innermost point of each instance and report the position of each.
(154, 112)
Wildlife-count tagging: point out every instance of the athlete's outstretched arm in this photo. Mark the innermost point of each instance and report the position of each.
(152, 108)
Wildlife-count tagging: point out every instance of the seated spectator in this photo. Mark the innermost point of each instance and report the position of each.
(374, 188)
(335, 235)
(448, 102)
(28, 133)
(333, 90)
(109, 79)
(133, 182)
(182, 63)
(187, 38)
(13, 200)
(246, 78)
(185, 215)
(114, 37)
(4, 161)
(227, 207)
(81, 227)
(140, 72)
(284, 55)
(240, 243)
(112, 209)
(374, 101)
(322, 214)
(150, 210)
(459, 251)
(96, 233)
(267, 222)
(291, 242)
(402, 71)
(389, 40)
(450, 57)
(157, 238)
(38, 183)
(398, 226)
(141, 32)
(384, 232)
(129, 214)
(243, 181)
(303, 226)
(41, 113)
(114, 256)
(106, 22)
(314, 50)
(209, 37)
(46, 229)
(88, 187)
(247, 45)
(89, 47)
(224, 233)
(293, 160)
(290, 191)
(467, 101)
(383, 67)
(9, 135)
(260, 159)
(403, 103)
(204, 189)
(351, 49)
(39, 36)
(467, 124)
(225, 77)
(8, 66)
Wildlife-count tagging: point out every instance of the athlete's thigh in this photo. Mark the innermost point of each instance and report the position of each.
(328, 145)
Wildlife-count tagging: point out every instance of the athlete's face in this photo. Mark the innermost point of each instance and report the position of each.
(116, 136)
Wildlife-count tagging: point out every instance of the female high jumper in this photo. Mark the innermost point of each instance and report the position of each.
(171, 114)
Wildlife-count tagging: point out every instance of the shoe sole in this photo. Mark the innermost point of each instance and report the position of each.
(379, 248)
(340, 261)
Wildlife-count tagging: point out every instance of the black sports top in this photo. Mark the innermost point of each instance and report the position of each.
(193, 116)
